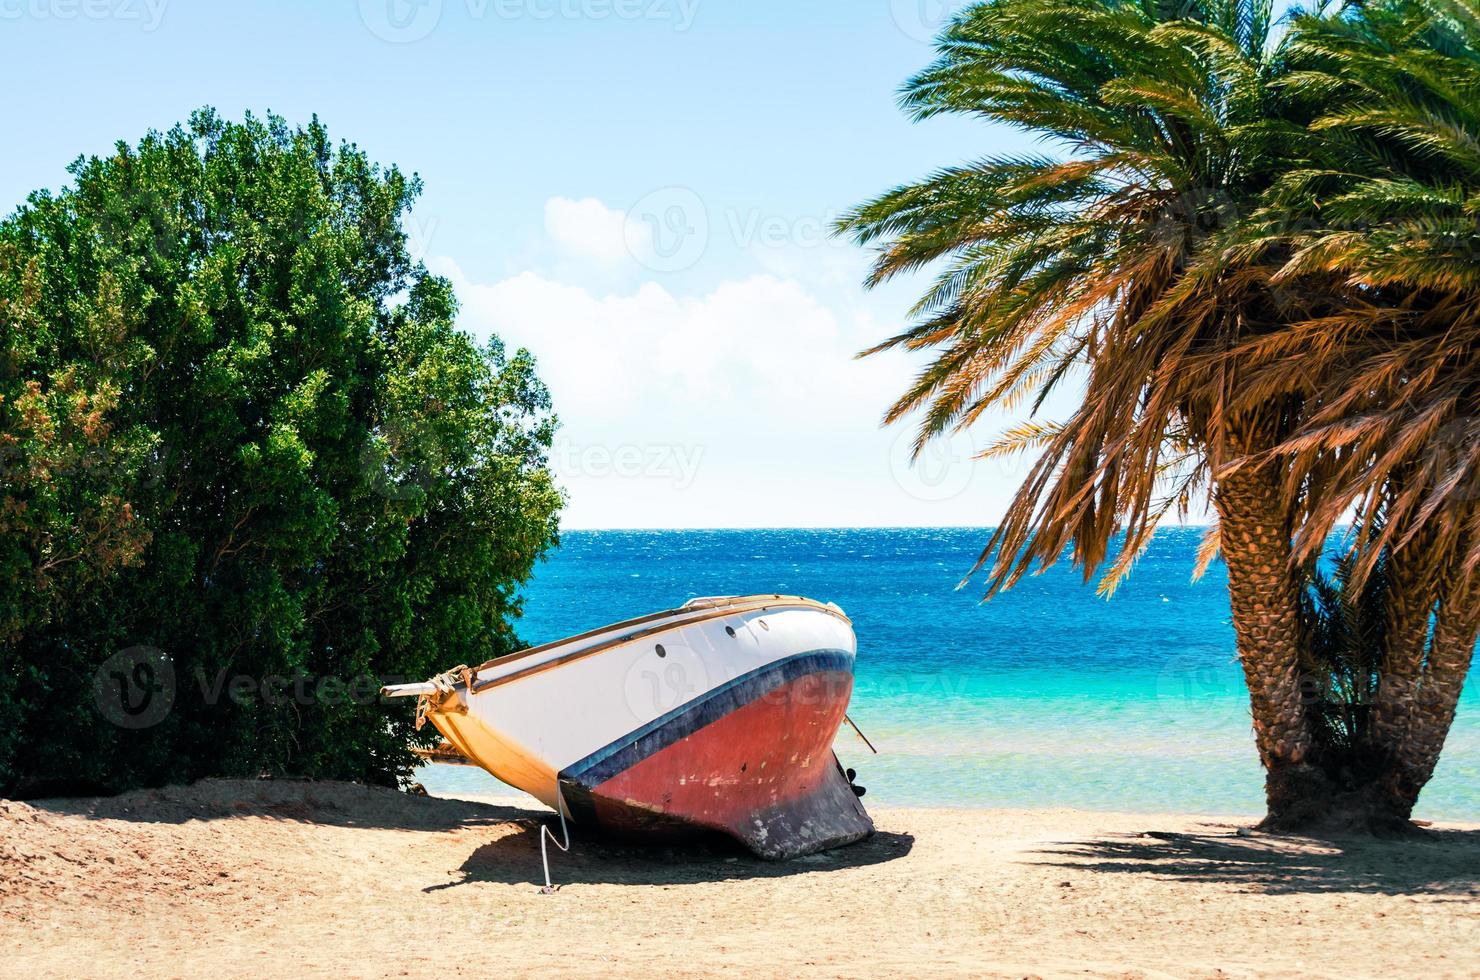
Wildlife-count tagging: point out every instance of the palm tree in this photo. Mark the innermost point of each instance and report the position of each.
(1346, 616)
(1386, 212)
(1125, 263)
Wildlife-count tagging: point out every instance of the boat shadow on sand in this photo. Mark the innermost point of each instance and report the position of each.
(514, 858)
(1444, 865)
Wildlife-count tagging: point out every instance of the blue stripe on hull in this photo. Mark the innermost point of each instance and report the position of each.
(688, 718)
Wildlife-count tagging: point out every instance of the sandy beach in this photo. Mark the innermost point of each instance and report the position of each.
(320, 879)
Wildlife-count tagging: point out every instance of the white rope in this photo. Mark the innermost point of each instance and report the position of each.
(550, 889)
(444, 683)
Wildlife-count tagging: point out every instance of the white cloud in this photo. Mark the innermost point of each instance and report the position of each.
(740, 405)
(752, 349)
(587, 228)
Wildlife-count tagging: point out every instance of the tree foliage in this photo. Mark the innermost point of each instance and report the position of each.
(240, 427)
(1383, 213)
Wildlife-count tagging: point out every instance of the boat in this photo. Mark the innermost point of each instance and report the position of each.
(719, 715)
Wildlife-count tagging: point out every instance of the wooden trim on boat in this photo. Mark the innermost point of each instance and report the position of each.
(509, 658)
(742, 604)
(444, 752)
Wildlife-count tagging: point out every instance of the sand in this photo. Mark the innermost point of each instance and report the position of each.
(231, 879)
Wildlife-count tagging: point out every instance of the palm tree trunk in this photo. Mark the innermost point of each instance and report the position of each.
(1412, 594)
(1430, 698)
(1256, 531)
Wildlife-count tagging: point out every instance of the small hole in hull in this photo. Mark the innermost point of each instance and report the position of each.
(730, 630)
(661, 651)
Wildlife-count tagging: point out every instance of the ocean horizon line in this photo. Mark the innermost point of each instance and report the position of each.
(828, 527)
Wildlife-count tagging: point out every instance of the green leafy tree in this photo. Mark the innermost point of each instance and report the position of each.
(243, 430)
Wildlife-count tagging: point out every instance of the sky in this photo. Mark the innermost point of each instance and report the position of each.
(640, 192)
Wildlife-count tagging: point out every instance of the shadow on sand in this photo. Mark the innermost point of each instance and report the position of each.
(305, 801)
(511, 854)
(1444, 865)
(514, 859)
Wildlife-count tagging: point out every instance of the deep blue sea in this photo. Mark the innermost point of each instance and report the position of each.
(1046, 696)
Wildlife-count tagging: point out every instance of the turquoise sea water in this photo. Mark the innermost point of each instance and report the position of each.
(1046, 696)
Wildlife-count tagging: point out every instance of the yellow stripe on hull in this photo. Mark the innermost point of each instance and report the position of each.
(499, 755)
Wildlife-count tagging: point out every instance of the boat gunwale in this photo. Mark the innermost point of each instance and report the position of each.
(740, 604)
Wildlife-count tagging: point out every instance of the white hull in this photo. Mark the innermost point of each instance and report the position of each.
(533, 714)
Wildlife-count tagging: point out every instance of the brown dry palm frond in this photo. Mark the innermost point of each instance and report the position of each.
(1386, 221)
(1084, 265)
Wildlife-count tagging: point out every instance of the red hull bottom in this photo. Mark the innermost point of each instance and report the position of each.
(760, 770)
